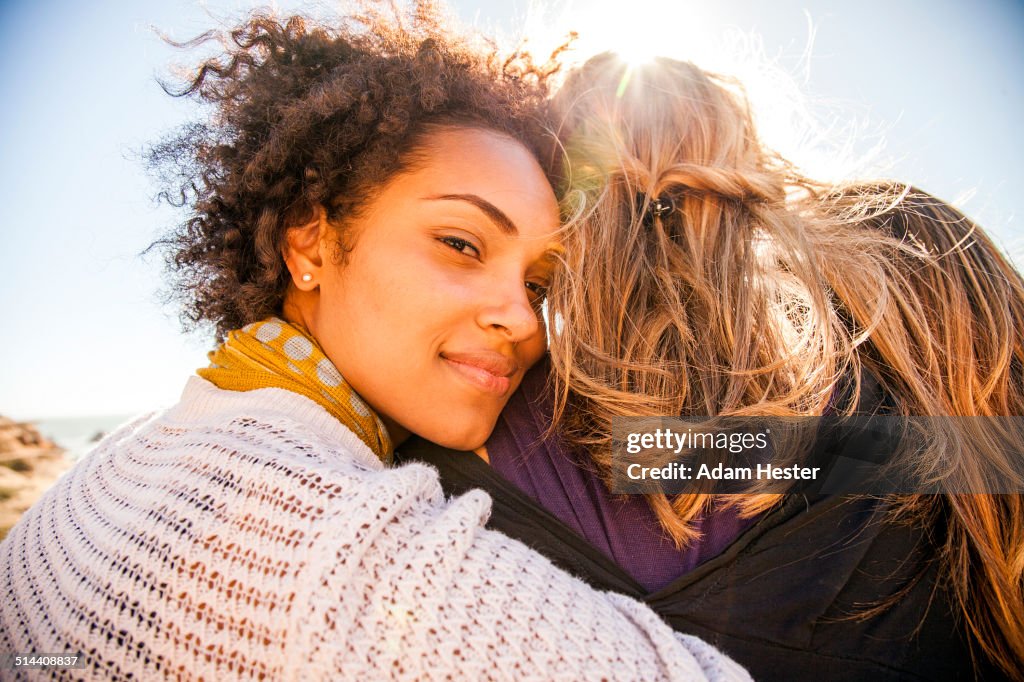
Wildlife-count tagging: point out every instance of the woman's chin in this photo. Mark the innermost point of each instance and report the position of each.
(462, 439)
(464, 444)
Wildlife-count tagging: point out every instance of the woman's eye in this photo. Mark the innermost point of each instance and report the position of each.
(538, 291)
(461, 245)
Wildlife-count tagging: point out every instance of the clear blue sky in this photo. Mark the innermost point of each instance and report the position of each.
(84, 333)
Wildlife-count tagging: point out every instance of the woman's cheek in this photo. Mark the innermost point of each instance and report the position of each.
(532, 350)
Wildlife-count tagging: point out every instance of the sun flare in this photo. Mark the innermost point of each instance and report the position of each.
(642, 30)
(637, 32)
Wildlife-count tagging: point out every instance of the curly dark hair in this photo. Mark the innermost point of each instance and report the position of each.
(304, 114)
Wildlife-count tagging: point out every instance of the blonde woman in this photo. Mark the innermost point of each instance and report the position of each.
(369, 232)
(704, 276)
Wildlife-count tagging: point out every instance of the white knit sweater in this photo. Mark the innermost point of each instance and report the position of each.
(251, 535)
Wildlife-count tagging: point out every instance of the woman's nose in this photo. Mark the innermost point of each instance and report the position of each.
(511, 313)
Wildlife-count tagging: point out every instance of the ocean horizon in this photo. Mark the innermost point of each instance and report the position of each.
(77, 435)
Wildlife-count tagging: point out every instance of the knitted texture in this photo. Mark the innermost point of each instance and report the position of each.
(252, 536)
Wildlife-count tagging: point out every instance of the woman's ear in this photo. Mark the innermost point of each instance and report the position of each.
(303, 250)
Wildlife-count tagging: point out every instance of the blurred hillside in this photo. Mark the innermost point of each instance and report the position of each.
(29, 464)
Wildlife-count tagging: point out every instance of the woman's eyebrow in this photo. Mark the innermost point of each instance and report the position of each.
(496, 215)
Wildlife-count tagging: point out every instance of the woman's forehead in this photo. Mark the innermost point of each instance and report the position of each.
(486, 171)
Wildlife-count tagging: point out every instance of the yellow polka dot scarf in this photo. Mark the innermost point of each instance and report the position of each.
(277, 354)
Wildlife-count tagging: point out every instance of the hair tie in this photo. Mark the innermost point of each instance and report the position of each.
(662, 206)
(658, 207)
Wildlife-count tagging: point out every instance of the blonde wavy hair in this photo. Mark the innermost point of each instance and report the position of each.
(704, 276)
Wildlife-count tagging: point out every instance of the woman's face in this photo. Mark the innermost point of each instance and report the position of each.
(433, 317)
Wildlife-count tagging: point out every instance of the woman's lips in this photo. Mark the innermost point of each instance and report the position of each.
(488, 371)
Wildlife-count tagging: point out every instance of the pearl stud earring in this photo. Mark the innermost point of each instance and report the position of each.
(307, 277)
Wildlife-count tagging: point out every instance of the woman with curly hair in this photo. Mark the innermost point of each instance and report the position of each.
(704, 277)
(370, 234)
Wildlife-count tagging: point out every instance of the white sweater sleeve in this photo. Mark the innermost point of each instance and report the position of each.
(245, 536)
(423, 591)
